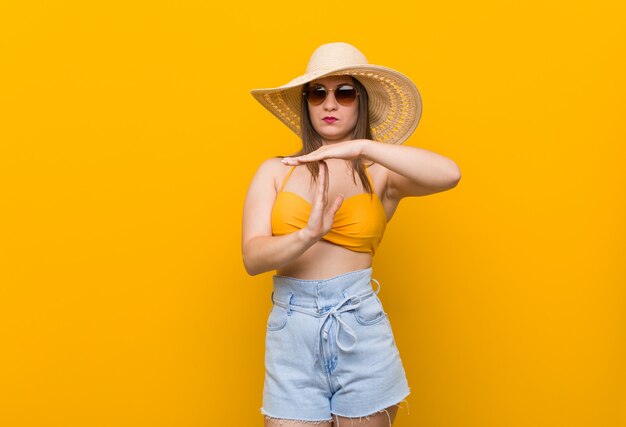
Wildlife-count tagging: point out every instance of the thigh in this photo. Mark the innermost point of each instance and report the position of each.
(383, 418)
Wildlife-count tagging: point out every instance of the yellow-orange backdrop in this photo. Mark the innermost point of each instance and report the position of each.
(128, 138)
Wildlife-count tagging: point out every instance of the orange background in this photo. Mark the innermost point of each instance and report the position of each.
(128, 138)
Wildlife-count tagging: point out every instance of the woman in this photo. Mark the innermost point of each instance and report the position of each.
(330, 354)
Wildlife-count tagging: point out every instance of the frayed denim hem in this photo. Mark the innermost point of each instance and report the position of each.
(287, 421)
(367, 417)
(335, 419)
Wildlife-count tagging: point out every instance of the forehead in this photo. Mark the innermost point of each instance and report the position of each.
(332, 80)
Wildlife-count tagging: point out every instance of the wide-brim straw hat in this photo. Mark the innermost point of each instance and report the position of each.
(395, 104)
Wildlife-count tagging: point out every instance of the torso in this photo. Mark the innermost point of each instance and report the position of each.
(325, 259)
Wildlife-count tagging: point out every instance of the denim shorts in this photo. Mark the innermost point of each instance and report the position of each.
(329, 349)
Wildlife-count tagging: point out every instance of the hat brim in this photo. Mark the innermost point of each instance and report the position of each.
(395, 104)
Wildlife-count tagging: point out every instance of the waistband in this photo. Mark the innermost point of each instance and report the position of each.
(318, 294)
(325, 298)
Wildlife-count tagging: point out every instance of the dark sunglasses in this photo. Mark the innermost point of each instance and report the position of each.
(345, 94)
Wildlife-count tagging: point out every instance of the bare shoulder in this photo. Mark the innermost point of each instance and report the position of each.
(271, 164)
(380, 175)
(271, 170)
(380, 178)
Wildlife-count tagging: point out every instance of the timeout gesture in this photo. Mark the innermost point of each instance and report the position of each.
(347, 150)
(322, 215)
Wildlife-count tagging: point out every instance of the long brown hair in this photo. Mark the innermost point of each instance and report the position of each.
(311, 140)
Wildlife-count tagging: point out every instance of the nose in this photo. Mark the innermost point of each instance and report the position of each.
(330, 103)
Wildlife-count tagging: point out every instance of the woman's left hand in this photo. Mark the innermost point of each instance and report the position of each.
(347, 150)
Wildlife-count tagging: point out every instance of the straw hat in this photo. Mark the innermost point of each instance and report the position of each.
(395, 104)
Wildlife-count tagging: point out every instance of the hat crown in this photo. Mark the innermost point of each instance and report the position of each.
(334, 55)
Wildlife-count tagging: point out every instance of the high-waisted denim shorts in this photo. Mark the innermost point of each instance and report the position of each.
(329, 349)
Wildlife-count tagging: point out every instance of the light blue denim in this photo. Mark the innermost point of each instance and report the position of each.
(330, 349)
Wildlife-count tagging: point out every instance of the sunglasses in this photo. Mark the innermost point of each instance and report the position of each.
(345, 94)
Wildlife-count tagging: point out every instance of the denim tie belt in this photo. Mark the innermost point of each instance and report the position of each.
(334, 313)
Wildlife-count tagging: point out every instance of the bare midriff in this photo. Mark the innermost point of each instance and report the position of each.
(324, 260)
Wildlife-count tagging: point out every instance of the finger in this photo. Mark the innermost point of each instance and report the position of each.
(290, 161)
(311, 157)
(336, 205)
(321, 178)
(315, 156)
(326, 181)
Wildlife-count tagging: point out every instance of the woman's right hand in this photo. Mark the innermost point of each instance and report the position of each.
(322, 216)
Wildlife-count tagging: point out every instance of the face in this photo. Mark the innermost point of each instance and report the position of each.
(346, 115)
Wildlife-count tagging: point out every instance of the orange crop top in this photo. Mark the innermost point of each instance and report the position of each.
(359, 223)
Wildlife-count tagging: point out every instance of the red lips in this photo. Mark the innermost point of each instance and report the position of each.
(329, 119)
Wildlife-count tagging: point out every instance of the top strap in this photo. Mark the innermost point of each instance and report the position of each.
(287, 177)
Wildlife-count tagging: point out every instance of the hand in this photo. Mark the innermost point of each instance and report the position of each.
(347, 150)
(322, 216)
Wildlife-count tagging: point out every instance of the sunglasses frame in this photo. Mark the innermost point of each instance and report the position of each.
(328, 91)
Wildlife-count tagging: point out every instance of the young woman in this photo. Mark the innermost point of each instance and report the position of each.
(330, 354)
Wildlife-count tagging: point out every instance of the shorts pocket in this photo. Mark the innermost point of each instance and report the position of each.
(277, 318)
(370, 311)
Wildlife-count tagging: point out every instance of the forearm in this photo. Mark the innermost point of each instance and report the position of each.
(265, 253)
(417, 164)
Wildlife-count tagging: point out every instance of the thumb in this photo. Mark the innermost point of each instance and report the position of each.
(336, 204)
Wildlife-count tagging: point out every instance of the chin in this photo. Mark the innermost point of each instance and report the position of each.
(333, 136)
(332, 139)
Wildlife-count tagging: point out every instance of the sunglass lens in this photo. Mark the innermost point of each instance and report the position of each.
(345, 95)
(316, 95)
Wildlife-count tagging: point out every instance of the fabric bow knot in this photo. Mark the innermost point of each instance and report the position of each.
(335, 313)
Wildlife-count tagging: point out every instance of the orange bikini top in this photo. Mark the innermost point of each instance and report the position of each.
(359, 223)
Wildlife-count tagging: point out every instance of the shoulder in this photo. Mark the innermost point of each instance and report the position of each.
(272, 164)
(272, 170)
(380, 175)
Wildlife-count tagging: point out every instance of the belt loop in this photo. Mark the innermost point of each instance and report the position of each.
(289, 304)
(378, 290)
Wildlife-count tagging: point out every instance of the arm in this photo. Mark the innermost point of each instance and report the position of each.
(412, 171)
(265, 253)
(261, 250)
